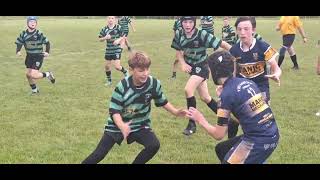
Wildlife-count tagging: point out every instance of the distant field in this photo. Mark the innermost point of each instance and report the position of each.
(65, 122)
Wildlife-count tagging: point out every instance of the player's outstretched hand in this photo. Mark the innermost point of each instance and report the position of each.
(195, 115)
(125, 129)
(18, 53)
(274, 77)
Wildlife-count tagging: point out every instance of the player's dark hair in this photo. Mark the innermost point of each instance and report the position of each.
(252, 19)
(221, 64)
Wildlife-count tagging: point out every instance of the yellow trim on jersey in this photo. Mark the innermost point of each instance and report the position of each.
(256, 105)
(270, 53)
(241, 153)
(223, 113)
(252, 70)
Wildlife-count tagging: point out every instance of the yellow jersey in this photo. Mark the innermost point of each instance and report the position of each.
(289, 24)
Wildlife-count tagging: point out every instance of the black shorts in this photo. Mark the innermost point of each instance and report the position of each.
(200, 69)
(112, 57)
(34, 61)
(134, 136)
(288, 40)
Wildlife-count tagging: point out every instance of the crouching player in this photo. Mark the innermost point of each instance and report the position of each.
(244, 100)
(130, 109)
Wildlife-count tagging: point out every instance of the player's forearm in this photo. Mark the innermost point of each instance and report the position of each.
(225, 45)
(275, 69)
(48, 47)
(301, 30)
(118, 120)
(179, 55)
(212, 130)
(19, 46)
(170, 108)
(101, 39)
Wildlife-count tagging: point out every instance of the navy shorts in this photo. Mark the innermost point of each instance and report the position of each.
(245, 152)
(288, 40)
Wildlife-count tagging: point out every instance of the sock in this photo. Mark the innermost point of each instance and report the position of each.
(108, 73)
(174, 74)
(191, 102)
(294, 60)
(213, 105)
(280, 60)
(124, 71)
(33, 87)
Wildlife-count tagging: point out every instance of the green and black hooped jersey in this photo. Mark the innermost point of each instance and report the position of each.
(115, 33)
(207, 27)
(228, 34)
(124, 22)
(256, 36)
(134, 104)
(177, 25)
(195, 48)
(33, 42)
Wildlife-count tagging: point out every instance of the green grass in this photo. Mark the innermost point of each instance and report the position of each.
(65, 122)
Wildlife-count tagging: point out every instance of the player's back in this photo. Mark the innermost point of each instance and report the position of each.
(246, 102)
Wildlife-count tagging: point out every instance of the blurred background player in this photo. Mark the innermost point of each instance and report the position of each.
(318, 64)
(124, 22)
(33, 40)
(245, 101)
(228, 33)
(207, 24)
(288, 26)
(191, 45)
(130, 110)
(176, 27)
(112, 33)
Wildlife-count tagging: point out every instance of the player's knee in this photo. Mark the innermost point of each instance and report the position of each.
(118, 68)
(282, 51)
(187, 91)
(205, 99)
(220, 151)
(154, 147)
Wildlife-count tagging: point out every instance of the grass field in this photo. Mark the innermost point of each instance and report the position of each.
(65, 122)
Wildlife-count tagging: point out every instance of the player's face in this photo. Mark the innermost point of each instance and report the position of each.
(111, 20)
(140, 75)
(245, 31)
(32, 24)
(226, 21)
(188, 26)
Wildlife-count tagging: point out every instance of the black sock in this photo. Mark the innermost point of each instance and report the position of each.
(294, 60)
(191, 102)
(124, 71)
(280, 60)
(174, 74)
(108, 73)
(213, 105)
(33, 86)
(44, 74)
